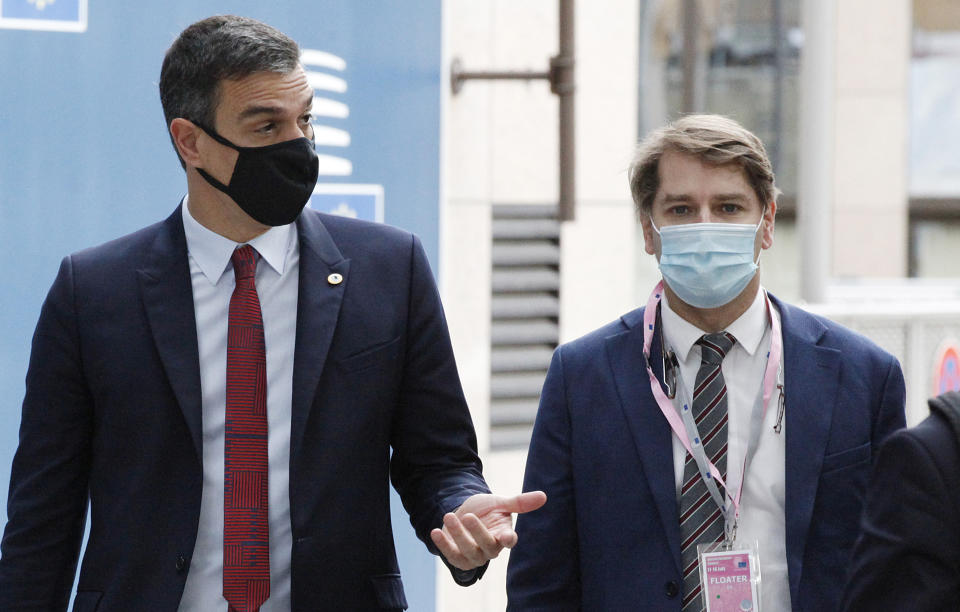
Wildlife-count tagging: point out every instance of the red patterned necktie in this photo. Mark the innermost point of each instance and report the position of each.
(246, 539)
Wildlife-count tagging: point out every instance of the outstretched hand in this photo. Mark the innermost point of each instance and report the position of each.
(483, 526)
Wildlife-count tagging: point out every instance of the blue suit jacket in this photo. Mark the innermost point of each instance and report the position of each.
(112, 415)
(609, 536)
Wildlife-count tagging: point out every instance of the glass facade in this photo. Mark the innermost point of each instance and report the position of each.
(741, 58)
(934, 165)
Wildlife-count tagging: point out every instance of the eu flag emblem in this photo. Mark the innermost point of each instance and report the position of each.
(56, 15)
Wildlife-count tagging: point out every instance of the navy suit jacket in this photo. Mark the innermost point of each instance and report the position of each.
(609, 536)
(112, 416)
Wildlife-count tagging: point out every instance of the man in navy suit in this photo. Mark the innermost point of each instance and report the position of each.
(717, 420)
(130, 376)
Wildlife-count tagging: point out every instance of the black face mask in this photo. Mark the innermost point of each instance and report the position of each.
(272, 184)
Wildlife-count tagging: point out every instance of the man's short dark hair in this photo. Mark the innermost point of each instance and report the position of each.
(214, 49)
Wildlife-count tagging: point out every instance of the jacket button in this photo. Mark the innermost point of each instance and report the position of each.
(181, 563)
(672, 589)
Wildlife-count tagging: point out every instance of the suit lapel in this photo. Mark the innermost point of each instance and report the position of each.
(812, 375)
(650, 430)
(168, 300)
(318, 307)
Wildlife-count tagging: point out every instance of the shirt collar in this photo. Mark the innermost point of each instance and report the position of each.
(212, 251)
(748, 329)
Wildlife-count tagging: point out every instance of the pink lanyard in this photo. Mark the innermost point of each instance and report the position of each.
(667, 407)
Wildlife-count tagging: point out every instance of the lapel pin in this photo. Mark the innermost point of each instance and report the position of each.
(335, 279)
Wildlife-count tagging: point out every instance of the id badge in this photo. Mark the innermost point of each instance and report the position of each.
(730, 577)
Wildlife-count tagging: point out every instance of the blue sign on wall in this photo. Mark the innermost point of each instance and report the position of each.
(86, 157)
(349, 200)
(329, 76)
(56, 15)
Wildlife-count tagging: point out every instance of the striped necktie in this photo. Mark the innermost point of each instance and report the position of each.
(246, 538)
(701, 521)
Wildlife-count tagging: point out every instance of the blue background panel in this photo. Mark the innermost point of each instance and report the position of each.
(84, 155)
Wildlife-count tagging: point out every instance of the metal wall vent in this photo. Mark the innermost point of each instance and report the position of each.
(525, 310)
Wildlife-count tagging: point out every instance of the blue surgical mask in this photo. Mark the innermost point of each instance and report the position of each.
(707, 264)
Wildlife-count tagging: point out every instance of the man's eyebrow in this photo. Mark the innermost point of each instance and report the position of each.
(253, 111)
(678, 197)
(308, 102)
(730, 196)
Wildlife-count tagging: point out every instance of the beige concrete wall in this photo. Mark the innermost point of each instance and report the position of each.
(597, 257)
(466, 188)
(870, 182)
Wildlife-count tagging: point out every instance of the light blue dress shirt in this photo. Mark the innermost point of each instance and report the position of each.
(211, 275)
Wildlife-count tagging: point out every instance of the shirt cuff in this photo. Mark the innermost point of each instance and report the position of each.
(465, 577)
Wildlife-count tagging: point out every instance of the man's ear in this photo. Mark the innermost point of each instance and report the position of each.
(184, 134)
(649, 236)
(769, 220)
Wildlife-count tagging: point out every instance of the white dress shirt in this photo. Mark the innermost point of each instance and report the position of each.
(762, 502)
(211, 274)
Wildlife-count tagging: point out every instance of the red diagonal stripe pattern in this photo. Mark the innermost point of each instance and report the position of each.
(691, 597)
(701, 521)
(706, 381)
(246, 540)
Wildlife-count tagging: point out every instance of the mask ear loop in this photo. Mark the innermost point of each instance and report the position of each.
(653, 225)
(759, 225)
(212, 133)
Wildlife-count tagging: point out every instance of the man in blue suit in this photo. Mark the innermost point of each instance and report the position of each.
(224, 389)
(715, 422)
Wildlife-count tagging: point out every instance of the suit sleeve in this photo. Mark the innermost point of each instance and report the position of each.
(906, 556)
(435, 466)
(47, 501)
(543, 573)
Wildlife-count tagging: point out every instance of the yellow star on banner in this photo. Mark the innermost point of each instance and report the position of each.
(41, 4)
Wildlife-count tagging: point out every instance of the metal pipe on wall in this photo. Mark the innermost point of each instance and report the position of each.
(563, 84)
(691, 35)
(778, 37)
